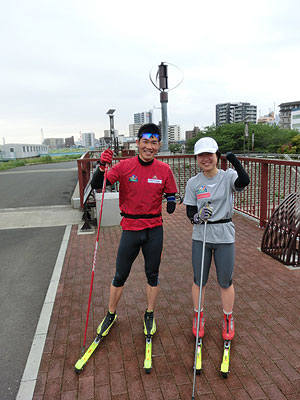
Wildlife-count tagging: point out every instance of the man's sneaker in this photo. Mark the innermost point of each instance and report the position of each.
(201, 324)
(228, 327)
(149, 323)
(106, 324)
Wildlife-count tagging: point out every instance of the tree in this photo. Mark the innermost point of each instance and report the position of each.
(175, 148)
(267, 138)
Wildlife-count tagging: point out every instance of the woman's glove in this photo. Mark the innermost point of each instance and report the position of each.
(243, 178)
(203, 215)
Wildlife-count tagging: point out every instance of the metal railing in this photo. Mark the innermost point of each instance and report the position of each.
(271, 180)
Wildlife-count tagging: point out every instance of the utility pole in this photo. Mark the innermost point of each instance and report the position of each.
(163, 87)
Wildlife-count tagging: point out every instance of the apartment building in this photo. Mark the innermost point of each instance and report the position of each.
(230, 113)
(285, 112)
(193, 133)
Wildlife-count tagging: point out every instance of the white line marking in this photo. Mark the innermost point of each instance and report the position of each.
(30, 374)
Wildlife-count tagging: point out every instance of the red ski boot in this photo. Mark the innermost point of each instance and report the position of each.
(201, 324)
(228, 327)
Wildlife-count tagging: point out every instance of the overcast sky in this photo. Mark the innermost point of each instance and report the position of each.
(64, 63)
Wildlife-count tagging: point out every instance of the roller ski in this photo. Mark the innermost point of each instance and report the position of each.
(149, 330)
(199, 340)
(102, 331)
(228, 335)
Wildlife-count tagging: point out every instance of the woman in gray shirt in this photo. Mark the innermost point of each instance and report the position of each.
(209, 196)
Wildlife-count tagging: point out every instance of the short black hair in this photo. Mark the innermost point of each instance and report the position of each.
(149, 128)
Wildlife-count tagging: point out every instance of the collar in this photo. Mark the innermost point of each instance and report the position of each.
(145, 163)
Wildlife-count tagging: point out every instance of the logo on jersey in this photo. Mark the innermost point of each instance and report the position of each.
(133, 178)
(154, 180)
(202, 192)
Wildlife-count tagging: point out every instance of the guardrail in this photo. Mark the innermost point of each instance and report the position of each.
(271, 180)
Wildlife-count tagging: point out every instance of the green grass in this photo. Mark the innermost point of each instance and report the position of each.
(38, 160)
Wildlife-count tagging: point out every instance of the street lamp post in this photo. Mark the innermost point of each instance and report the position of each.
(163, 85)
(110, 113)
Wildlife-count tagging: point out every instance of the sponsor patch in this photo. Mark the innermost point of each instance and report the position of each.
(133, 178)
(202, 192)
(154, 180)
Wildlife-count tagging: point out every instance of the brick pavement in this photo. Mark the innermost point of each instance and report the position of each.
(265, 355)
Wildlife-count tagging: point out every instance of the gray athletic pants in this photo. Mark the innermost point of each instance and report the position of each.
(224, 260)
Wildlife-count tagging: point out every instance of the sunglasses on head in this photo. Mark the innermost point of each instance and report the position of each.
(150, 135)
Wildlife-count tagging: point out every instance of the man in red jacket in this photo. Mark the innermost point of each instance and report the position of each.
(143, 181)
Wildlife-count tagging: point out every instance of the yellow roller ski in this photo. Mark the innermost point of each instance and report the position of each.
(225, 361)
(84, 359)
(199, 357)
(148, 355)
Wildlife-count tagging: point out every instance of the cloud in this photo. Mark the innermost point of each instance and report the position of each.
(64, 64)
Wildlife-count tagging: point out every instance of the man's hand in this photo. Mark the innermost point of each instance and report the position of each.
(171, 204)
(106, 157)
(203, 215)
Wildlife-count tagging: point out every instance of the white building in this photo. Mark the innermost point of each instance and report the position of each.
(88, 139)
(134, 129)
(295, 119)
(143, 117)
(174, 133)
(13, 151)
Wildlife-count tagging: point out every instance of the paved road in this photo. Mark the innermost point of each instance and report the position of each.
(30, 238)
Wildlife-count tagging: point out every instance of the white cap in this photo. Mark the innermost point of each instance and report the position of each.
(205, 145)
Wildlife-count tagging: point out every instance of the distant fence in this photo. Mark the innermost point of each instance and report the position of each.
(271, 180)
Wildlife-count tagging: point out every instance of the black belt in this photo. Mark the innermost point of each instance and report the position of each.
(220, 221)
(140, 216)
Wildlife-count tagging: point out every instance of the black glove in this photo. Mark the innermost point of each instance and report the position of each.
(243, 178)
(171, 204)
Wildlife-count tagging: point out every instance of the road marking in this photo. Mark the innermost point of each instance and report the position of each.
(30, 374)
(39, 217)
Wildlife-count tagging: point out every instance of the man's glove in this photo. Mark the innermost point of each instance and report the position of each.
(171, 204)
(106, 157)
(203, 215)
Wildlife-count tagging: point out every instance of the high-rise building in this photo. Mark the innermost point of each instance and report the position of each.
(143, 117)
(230, 113)
(285, 112)
(173, 132)
(88, 139)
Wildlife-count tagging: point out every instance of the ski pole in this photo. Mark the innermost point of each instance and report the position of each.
(199, 306)
(95, 256)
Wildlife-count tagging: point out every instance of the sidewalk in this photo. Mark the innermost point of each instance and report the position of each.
(265, 355)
